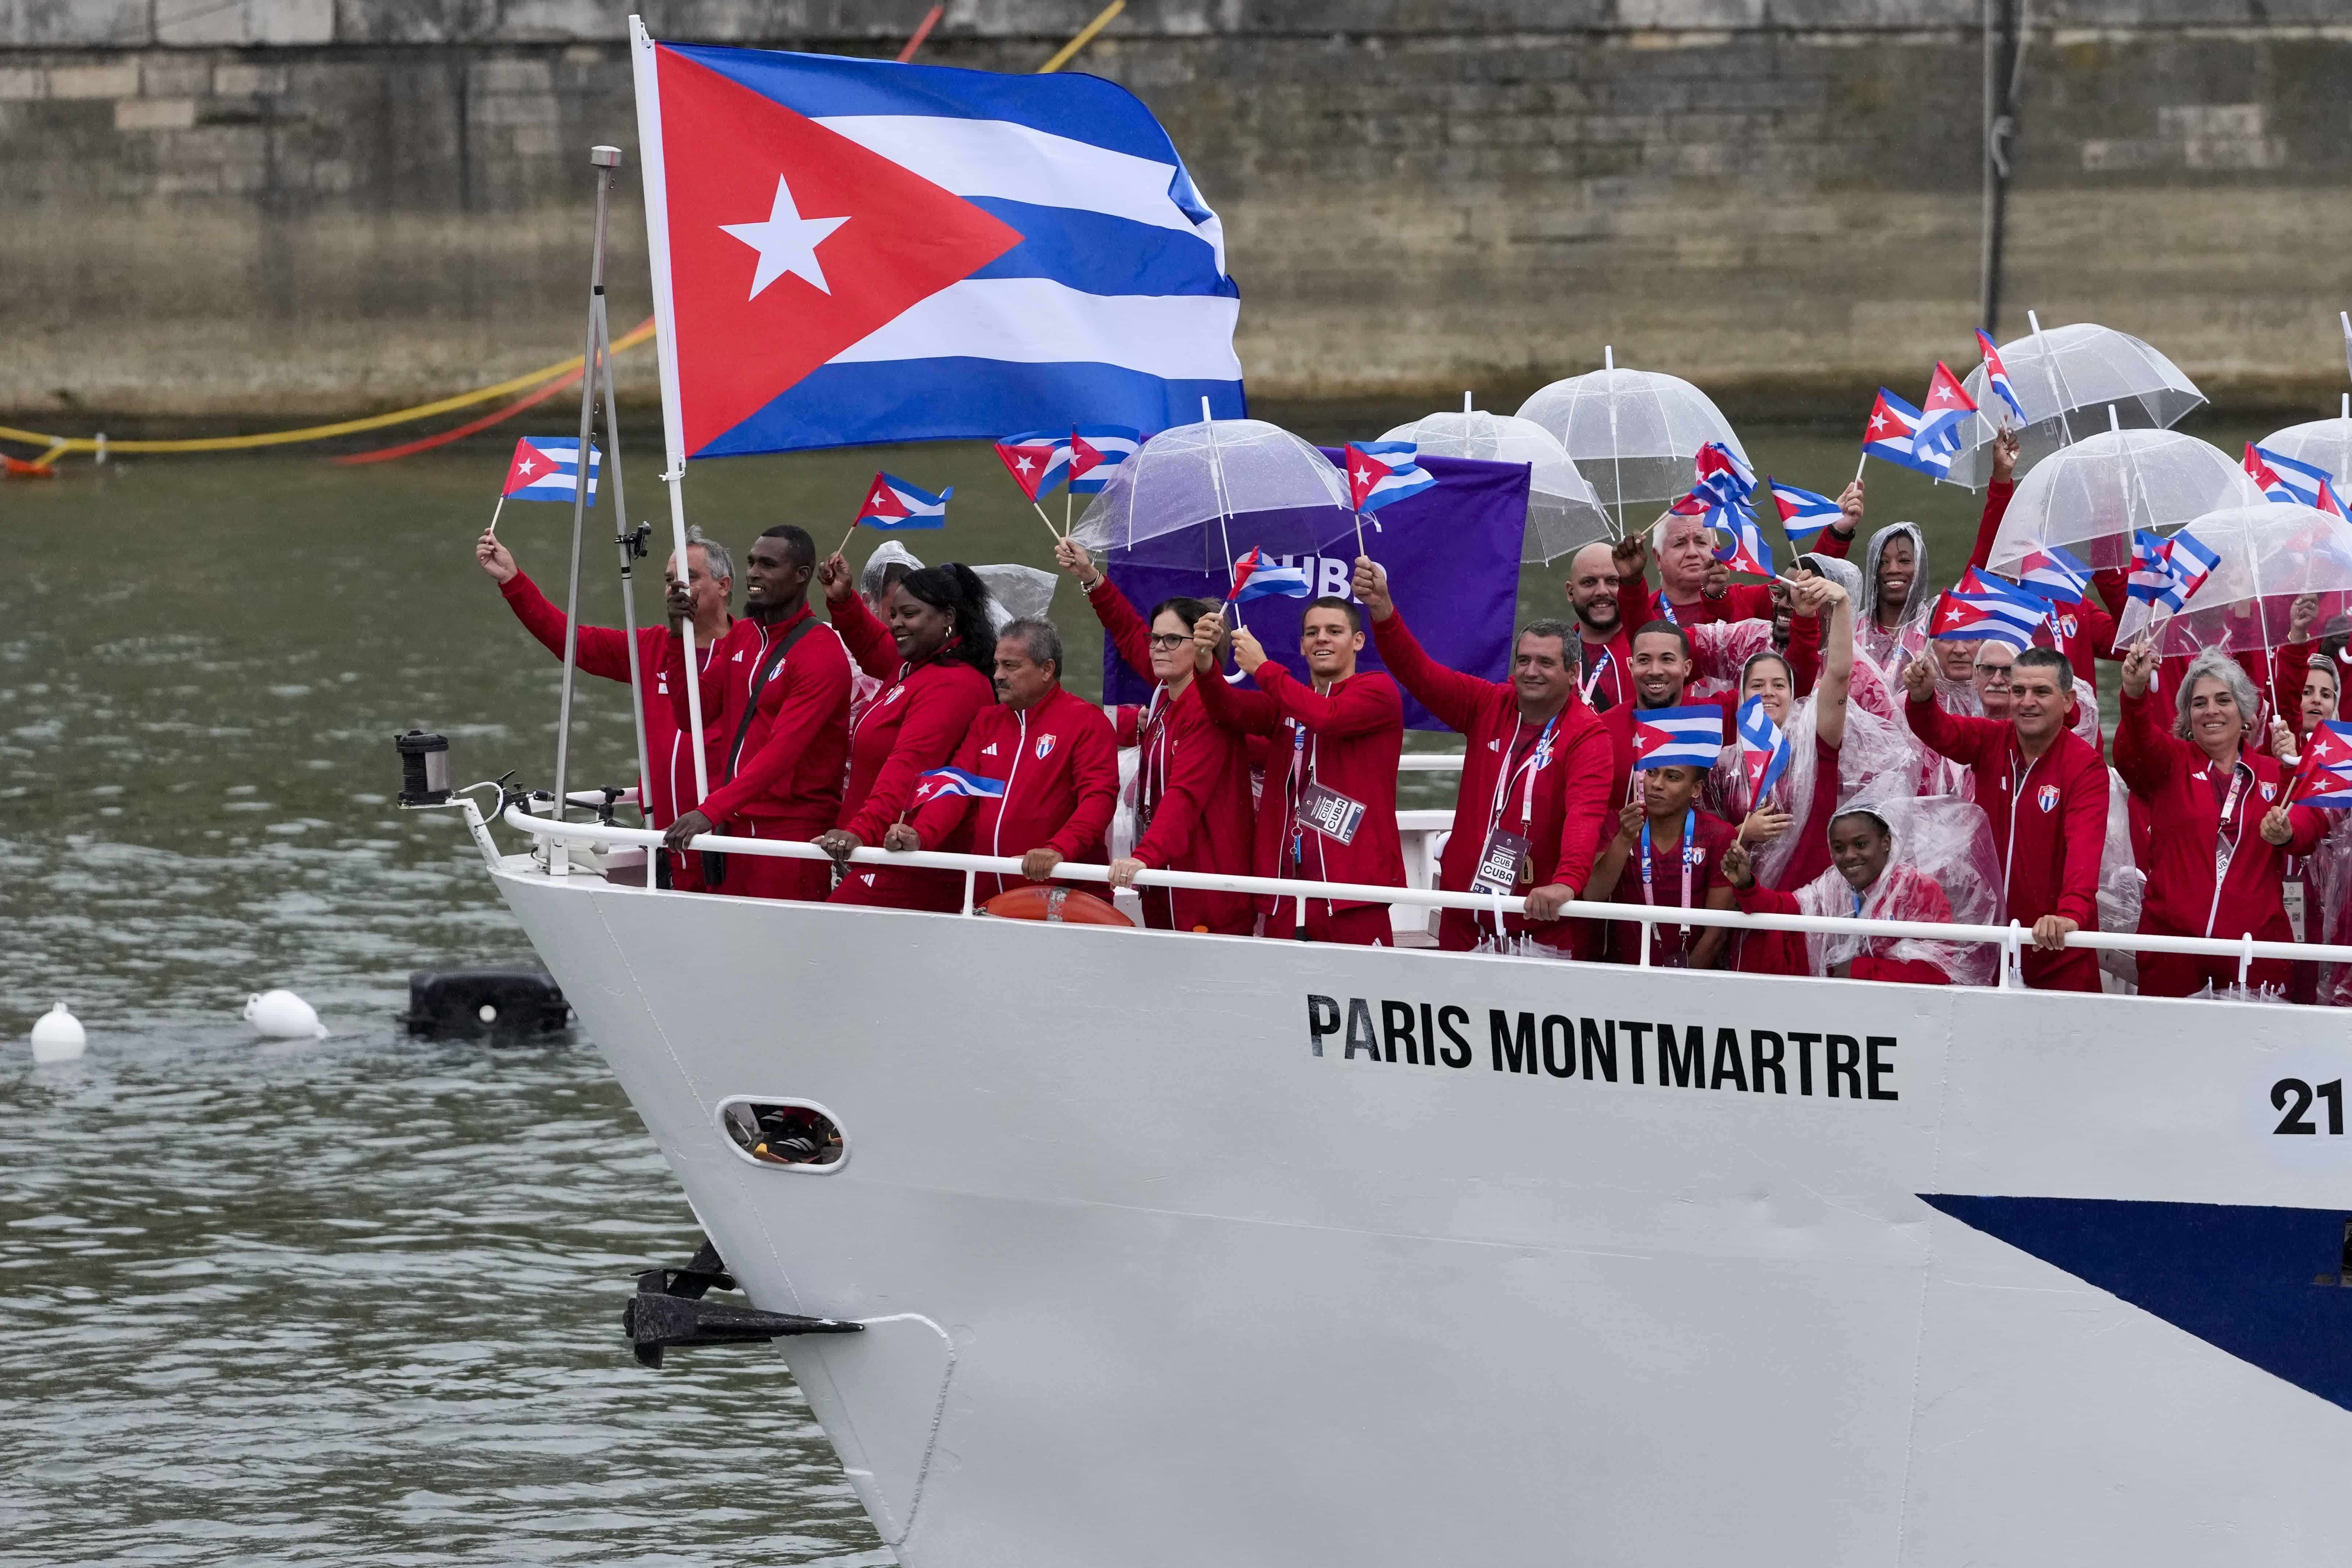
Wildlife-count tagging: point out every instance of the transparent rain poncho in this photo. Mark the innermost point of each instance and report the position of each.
(1882, 646)
(1016, 592)
(2122, 884)
(886, 555)
(2067, 378)
(1875, 758)
(1632, 433)
(1942, 867)
(1564, 511)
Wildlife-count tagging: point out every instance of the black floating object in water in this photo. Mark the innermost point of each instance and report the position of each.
(504, 1005)
(668, 1312)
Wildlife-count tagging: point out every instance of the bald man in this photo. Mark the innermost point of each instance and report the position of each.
(1596, 589)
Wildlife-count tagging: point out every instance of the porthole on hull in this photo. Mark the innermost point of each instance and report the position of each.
(783, 1134)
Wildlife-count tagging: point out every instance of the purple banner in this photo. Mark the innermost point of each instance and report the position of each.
(1452, 554)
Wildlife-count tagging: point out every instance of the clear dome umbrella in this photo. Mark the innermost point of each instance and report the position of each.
(2066, 377)
(2270, 555)
(1564, 511)
(2091, 496)
(1632, 433)
(1199, 477)
(2323, 443)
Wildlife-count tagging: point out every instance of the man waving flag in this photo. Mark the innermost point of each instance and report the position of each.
(849, 251)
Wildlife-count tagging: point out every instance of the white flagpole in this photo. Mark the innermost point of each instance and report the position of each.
(1616, 469)
(625, 539)
(654, 177)
(558, 862)
(1224, 504)
(494, 516)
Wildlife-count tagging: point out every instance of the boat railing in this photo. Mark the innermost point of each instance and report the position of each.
(2011, 939)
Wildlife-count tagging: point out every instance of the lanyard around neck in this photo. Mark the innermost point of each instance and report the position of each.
(1507, 776)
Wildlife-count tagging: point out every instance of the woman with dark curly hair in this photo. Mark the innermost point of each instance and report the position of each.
(934, 650)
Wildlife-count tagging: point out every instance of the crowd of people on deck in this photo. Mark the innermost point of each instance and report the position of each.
(1930, 782)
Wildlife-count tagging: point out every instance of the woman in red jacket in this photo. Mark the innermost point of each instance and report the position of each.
(1194, 811)
(2221, 831)
(935, 656)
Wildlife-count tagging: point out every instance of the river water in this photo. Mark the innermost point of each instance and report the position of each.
(357, 1300)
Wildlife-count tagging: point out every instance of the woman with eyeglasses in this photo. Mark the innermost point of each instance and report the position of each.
(1193, 808)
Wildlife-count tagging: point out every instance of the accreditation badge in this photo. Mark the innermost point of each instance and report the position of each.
(1330, 814)
(1504, 866)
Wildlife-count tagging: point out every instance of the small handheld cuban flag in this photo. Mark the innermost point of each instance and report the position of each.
(1763, 748)
(2054, 575)
(1891, 435)
(2151, 578)
(1747, 550)
(2191, 561)
(1980, 609)
(894, 506)
(2283, 478)
(1997, 377)
(1803, 514)
(1379, 472)
(1677, 737)
(941, 782)
(1947, 412)
(1037, 459)
(548, 469)
(1097, 451)
(1257, 577)
(1723, 482)
(2324, 776)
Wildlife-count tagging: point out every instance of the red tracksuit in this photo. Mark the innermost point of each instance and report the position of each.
(2186, 792)
(604, 651)
(1193, 806)
(1347, 741)
(2049, 826)
(1605, 669)
(1555, 797)
(2087, 632)
(1059, 762)
(914, 726)
(1741, 602)
(784, 781)
(1669, 944)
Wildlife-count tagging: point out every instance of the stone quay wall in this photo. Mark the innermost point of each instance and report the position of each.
(260, 210)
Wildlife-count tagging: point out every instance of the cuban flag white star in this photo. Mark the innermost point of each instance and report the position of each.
(786, 242)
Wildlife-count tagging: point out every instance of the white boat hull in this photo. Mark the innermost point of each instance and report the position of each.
(1151, 1281)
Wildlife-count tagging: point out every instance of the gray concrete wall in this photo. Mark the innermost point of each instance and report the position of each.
(268, 208)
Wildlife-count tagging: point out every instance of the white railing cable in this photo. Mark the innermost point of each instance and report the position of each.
(2244, 950)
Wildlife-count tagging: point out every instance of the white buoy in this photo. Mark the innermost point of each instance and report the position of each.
(282, 1016)
(58, 1035)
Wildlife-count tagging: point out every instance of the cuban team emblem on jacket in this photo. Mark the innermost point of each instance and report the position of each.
(1045, 747)
(2046, 797)
(2270, 792)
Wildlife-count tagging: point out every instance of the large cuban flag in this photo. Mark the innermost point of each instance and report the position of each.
(849, 251)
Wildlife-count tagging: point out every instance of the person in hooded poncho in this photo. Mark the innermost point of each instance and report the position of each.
(1895, 579)
(1927, 860)
(1834, 749)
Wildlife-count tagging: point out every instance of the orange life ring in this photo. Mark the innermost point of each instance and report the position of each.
(1067, 906)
